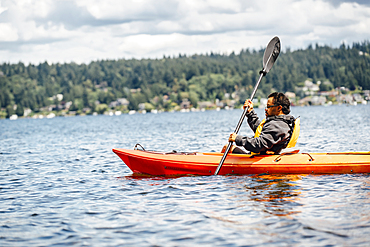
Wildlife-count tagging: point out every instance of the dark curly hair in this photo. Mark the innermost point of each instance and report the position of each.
(281, 99)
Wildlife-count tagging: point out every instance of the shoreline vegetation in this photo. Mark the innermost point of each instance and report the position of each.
(334, 97)
(317, 75)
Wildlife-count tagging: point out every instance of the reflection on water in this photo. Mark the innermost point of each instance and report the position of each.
(277, 210)
(277, 193)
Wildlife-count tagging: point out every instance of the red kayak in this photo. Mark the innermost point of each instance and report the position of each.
(158, 163)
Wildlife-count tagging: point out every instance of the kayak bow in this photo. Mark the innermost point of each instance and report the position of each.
(157, 163)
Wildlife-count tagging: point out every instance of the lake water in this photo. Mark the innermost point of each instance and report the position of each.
(61, 184)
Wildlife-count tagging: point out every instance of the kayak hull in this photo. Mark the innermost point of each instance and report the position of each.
(156, 163)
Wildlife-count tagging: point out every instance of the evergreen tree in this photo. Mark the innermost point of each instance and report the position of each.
(198, 77)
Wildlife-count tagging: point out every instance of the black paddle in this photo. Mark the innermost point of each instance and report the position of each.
(269, 57)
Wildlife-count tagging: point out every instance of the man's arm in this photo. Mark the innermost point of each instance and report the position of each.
(252, 117)
(253, 120)
(273, 133)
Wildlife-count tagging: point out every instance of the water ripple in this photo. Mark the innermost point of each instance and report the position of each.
(60, 184)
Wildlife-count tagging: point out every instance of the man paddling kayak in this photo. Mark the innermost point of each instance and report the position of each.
(272, 134)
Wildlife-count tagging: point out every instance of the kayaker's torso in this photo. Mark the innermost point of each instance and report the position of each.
(275, 134)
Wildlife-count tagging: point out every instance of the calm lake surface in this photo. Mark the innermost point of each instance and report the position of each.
(61, 184)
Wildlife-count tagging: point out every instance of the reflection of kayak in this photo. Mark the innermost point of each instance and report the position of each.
(157, 163)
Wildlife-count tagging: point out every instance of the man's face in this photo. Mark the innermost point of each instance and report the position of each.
(272, 109)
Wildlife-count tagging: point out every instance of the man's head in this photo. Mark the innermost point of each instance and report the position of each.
(277, 104)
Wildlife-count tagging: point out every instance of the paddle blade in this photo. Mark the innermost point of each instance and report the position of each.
(271, 54)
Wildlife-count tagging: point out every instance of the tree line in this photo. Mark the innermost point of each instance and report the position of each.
(196, 78)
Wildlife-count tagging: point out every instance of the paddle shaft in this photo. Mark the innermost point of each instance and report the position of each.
(262, 73)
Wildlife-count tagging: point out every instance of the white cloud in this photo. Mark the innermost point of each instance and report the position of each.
(2, 9)
(85, 30)
(7, 32)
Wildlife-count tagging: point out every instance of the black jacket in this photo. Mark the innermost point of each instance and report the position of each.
(275, 135)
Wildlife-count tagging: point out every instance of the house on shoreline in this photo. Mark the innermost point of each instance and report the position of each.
(312, 96)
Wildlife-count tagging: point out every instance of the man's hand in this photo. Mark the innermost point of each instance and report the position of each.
(248, 103)
(232, 137)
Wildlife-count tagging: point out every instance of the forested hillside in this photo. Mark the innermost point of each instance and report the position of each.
(165, 82)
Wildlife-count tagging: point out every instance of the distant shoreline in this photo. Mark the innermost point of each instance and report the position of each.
(118, 113)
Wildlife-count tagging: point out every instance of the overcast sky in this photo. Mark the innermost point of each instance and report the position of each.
(34, 31)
